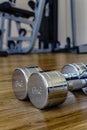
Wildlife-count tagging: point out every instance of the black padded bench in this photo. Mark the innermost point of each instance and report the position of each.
(7, 8)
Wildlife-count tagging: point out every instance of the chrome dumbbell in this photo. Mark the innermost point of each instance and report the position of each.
(47, 89)
(20, 81)
(79, 69)
(50, 88)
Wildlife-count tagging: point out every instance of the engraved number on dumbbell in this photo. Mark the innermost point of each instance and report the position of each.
(19, 84)
(20, 80)
(36, 91)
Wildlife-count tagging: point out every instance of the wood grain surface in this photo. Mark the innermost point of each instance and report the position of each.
(22, 115)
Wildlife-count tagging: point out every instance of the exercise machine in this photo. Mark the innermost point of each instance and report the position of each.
(47, 26)
(43, 26)
(49, 40)
(19, 16)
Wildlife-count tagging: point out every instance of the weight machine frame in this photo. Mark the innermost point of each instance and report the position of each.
(35, 24)
(49, 29)
(46, 25)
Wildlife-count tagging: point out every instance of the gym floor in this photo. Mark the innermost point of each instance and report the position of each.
(22, 115)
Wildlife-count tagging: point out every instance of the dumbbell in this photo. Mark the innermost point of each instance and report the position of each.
(46, 89)
(79, 69)
(20, 81)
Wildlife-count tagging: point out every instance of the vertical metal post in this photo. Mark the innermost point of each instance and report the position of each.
(44, 28)
(2, 22)
(53, 23)
(10, 21)
(9, 28)
(73, 23)
(36, 25)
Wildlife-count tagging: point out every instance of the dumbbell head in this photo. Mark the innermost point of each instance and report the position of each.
(47, 89)
(20, 81)
(76, 68)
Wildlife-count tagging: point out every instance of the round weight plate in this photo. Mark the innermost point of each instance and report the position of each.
(20, 81)
(46, 89)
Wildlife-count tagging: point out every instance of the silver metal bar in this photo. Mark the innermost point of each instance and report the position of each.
(19, 38)
(2, 22)
(9, 23)
(77, 84)
(18, 19)
(73, 22)
(37, 22)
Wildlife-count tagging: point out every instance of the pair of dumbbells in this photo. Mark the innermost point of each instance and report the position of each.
(48, 88)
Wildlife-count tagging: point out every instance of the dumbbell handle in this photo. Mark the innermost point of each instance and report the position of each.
(50, 88)
(71, 76)
(76, 84)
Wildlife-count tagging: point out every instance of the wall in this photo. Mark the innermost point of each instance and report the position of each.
(64, 19)
(81, 21)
